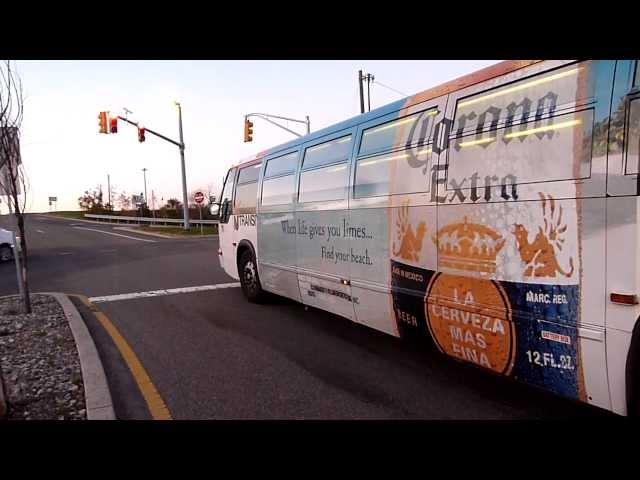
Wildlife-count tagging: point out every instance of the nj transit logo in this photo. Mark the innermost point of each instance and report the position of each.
(245, 220)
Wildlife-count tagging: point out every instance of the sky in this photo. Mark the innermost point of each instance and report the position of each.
(64, 154)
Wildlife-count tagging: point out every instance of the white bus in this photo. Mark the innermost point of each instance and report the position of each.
(496, 215)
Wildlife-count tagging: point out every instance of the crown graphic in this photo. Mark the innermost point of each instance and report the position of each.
(468, 246)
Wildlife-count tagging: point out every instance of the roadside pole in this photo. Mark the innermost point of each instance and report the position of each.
(361, 91)
(185, 202)
(16, 256)
(200, 207)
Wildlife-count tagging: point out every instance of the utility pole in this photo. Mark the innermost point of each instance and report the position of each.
(109, 188)
(185, 200)
(144, 172)
(361, 91)
(369, 80)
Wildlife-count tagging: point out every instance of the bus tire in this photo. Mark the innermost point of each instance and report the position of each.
(6, 253)
(632, 370)
(249, 279)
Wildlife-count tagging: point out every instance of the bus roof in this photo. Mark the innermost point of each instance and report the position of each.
(459, 83)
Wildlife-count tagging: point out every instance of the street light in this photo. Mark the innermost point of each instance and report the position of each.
(144, 172)
(185, 200)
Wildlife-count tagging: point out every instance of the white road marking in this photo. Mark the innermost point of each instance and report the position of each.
(116, 234)
(66, 253)
(39, 231)
(159, 293)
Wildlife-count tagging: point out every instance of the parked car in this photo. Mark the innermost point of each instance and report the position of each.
(6, 245)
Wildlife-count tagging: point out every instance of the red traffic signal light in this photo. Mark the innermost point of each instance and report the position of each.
(113, 125)
(248, 130)
(102, 122)
(141, 135)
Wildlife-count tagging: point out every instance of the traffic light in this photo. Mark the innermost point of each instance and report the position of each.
(113, 125)
(102, 122)
(248, 130)
(141, 135)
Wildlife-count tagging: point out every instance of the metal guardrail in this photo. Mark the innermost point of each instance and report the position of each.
(149, 220)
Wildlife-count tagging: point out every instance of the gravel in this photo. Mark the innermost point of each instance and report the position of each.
(39, 362)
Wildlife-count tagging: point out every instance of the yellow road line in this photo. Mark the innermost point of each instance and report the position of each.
(156, 405)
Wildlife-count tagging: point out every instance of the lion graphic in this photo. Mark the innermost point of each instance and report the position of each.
(540, 255)
(410, 242)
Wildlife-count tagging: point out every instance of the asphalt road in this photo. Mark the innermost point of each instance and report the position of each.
(212, 355)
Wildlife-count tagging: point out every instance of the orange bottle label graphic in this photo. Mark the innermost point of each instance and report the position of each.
(470, 319)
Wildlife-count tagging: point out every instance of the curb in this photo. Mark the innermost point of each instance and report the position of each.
(73, 219)
(96, 390)
(128, 229)
(153, 234)
(134, 230)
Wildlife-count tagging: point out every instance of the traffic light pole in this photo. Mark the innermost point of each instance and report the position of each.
(267, 117)
(180, 145)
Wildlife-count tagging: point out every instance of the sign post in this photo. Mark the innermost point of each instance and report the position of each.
(199, 198)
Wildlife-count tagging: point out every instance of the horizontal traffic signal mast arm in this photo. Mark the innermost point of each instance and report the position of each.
(267, 117)
(178, 144)
(276, 116)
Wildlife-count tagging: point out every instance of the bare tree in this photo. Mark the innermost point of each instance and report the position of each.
(173, 204)
(12, 176)
(123, 200)
(91, 201)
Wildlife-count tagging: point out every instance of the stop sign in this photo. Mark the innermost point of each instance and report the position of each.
(199, 197)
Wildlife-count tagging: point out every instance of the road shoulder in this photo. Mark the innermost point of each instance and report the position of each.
(132, 398)
(97, 394)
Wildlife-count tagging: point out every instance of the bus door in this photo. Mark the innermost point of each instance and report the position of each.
(623, 225)
(277, 230)
(323, 250)
(521, 244)
(228, 258)
(392, 217)
(244, 205)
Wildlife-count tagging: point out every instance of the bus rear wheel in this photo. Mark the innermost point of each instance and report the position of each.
(5, 253)
(249, 279)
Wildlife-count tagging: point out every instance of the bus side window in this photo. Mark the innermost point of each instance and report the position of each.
(410, 165)
(633, 137)
(247, 189)
(278, 184)
(532, 131)
(226, 197)
(325, 172)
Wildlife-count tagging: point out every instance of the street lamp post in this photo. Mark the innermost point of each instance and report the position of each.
(144, 172)
(185, 200)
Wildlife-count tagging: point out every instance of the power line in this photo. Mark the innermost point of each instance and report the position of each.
(392, 89)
